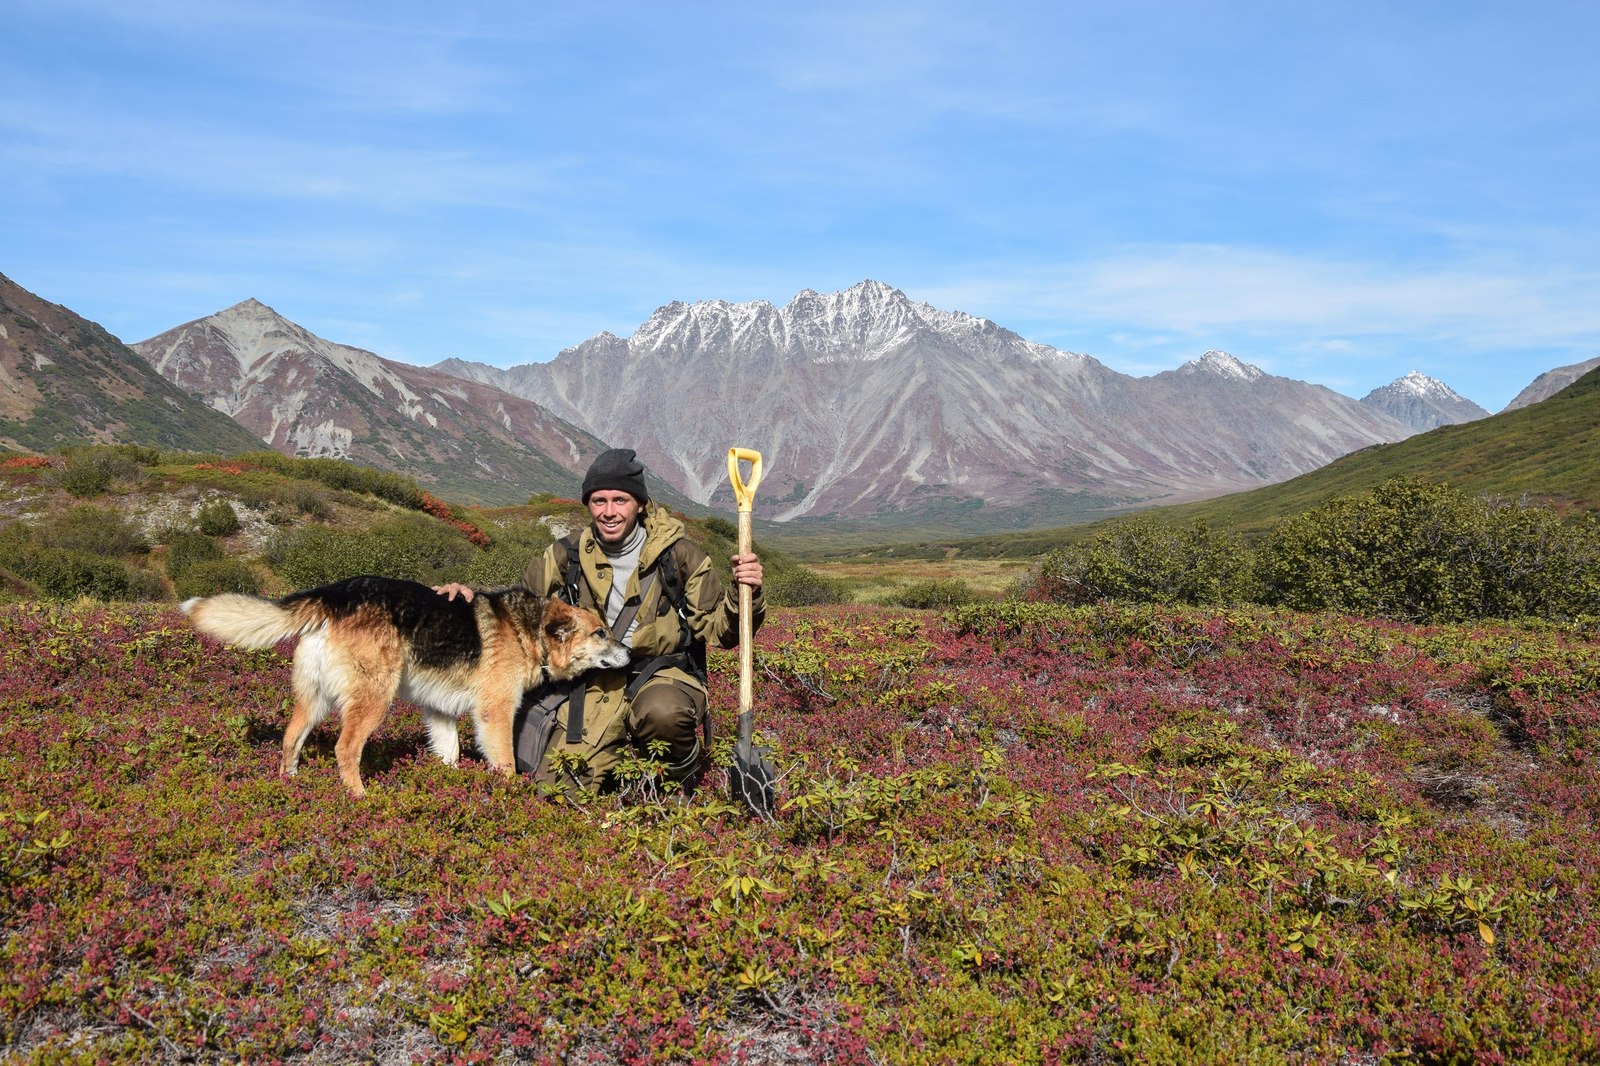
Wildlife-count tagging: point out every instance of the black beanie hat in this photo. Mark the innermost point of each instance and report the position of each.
(616, 468)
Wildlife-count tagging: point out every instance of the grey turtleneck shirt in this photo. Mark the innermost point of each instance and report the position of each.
(624, 559)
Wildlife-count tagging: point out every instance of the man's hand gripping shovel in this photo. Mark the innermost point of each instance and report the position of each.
(750, 779)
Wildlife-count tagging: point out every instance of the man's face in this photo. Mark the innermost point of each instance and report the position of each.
(615, 514)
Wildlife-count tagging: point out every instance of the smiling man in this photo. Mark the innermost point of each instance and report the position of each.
(660, 595)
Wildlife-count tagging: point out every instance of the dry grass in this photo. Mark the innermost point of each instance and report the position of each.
(872, 579)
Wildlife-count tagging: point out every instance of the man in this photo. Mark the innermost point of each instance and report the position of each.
(661, 596)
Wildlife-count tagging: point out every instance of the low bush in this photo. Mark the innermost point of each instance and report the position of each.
(186, 550)
(217, 575)
(65, 573)
(90, 471)
(1418, 551)
(217, 518)
(308, 501)
(1140, 561)
(514, 545)
(796, 586)
(338, 474)
(936, 594)
(410, 547)
(95, 530)
(1409, 550)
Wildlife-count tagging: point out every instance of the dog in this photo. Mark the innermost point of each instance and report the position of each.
(366, 640)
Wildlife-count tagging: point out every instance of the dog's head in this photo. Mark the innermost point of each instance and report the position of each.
(576, 640)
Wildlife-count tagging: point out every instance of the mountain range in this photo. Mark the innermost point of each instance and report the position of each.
(871, 405)
(870, 408)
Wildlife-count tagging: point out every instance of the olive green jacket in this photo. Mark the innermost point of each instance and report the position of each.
(712, 607)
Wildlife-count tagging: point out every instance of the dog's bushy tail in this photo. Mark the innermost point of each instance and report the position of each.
(246, 621)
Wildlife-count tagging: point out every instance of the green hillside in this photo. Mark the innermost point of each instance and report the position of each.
(69, 382)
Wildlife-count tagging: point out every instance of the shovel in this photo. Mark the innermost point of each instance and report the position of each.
(750, 778)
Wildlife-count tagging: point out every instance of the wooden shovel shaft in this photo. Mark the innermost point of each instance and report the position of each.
(744, 492)
(747, 698)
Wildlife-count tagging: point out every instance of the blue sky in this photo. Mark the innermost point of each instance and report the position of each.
(1338, 192)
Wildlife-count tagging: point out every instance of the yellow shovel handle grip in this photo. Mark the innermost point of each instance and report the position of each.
(744, 491)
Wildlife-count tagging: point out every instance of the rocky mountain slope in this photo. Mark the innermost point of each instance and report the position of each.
(64, 380)
(867, 403)
(304, 395)
(1551, 382)
(1423, 403)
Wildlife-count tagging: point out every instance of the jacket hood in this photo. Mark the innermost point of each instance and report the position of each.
(661, 529)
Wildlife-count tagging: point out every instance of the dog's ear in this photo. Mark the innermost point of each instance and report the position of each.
(560, 620)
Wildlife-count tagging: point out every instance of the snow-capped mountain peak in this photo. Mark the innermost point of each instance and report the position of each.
(1422, 402)
(1224, 365)
(861, 323)
(1419, 384)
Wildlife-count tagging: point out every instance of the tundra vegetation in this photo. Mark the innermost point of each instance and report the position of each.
(1008, 831)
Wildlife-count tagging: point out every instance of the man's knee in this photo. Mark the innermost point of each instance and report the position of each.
(668, 712)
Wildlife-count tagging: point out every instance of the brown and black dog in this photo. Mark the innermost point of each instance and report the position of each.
(366, 640)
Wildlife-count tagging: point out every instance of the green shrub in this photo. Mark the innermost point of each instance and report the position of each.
(411, 546)
(217, 518)
(723, 528)
(90, 471)
(1141, 561)
(1537, 562)
(186, 550)
(313, 503)
(62, 573)
(217, 575)
(340, 474)
(936, 594)
(95, 530)
(1418, 551)
(512, 548)
(796, 586)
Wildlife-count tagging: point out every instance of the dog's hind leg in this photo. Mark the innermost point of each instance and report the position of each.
(312, 701)
(369, 674)
(444, 737)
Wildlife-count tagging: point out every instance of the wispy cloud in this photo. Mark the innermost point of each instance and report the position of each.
(241, 161)
(1195, 291)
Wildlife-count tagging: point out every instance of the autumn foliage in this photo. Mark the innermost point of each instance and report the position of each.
(1009, 833)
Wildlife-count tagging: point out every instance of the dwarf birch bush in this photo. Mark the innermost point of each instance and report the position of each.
(1139, 560)
(409, 547)
(1426, 552)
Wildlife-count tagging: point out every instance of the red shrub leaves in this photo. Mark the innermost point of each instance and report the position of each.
(446, 514)
(1019, 833)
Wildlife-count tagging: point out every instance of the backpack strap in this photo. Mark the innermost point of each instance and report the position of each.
(572, 574)
(571, 591)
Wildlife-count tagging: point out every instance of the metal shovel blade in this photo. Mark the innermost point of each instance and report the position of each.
(751, 779)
